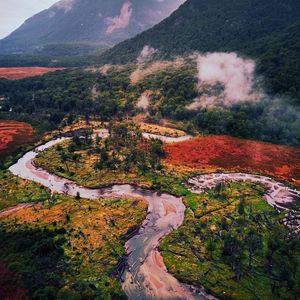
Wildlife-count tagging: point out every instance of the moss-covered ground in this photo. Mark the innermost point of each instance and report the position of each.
(68, 248)
(80, 166)
(233, 244)
(14, 190)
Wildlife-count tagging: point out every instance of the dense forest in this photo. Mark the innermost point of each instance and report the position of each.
(65, 59)
(267, 31)
(49, 100)
(44, 101)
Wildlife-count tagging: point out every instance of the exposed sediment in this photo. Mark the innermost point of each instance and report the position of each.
(145, 276)
(277, 194)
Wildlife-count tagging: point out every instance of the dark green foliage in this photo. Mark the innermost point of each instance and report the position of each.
(265, 30)
(268, 121)
(44, 101)
(279, 61)
(177, 89)
(126, 150)
(37, 256)
(17, 60)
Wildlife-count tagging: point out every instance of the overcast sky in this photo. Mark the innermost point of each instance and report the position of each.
(14, 12)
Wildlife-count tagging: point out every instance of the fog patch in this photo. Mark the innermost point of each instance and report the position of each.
(121, 21)
(146, 54)
(233, 73)
(144, 100)
(227, 81)
(105, 69)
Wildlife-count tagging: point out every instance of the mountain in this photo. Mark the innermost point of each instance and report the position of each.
(267, 30)
(72, 26)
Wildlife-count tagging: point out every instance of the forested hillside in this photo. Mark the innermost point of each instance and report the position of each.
(50, 100)
(265, 30)
(279, 60)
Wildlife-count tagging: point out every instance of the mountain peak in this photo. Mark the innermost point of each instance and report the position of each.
(86, 25)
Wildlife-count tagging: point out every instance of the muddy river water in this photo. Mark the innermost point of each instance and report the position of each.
(146, 276)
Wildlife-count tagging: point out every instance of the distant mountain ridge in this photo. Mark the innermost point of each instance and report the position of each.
(86, 25)
(267, 30)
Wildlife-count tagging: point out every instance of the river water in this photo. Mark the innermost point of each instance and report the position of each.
(146, 276)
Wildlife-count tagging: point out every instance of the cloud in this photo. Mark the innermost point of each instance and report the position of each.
(67, 5)
(121, 21)
(144, 100)
(234, 74)
(146, 54)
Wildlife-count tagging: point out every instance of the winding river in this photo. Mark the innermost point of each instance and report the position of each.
(146, 276)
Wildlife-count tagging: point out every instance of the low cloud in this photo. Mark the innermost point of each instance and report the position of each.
(144, 100)
(224, 79)
(121, 21)
(146, 54)
(144, 71)
(105, 69)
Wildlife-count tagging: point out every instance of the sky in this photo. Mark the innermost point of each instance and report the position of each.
(14, 12)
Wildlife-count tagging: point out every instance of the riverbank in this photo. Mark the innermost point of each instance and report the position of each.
(158, 210)
(165, 212)
(232, 154)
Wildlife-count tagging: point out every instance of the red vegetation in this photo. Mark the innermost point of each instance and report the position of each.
(20, 73)
(12, 135)
(9, 289)
(234, 154)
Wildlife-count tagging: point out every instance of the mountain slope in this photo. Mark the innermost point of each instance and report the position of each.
(279, 60)
(267, 30)
(86, 24)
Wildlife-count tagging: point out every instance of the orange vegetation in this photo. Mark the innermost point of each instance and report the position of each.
(96, 231)
(12, 135)
(24, 72)
(94, 219)
(234, 154)
(9, 289)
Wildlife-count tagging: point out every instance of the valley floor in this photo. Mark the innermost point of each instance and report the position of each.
(24, 72)
(231, 241)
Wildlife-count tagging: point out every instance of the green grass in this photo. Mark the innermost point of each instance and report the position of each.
(194, 252)
(15, 190)
(197, 253)
(83, 172)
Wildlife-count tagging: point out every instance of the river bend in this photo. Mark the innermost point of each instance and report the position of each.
(146, 276)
